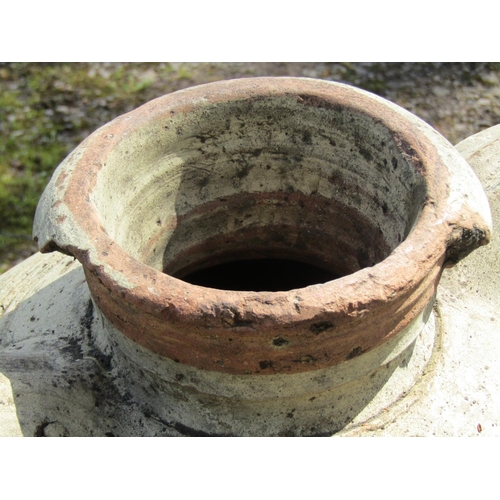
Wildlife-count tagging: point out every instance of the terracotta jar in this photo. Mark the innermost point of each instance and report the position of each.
(359, 203)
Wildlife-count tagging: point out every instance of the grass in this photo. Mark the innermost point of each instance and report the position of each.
(46, 110)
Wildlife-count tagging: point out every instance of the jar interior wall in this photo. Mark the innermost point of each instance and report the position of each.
(268, 179)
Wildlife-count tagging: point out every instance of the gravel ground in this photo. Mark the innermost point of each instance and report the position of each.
(458, 99)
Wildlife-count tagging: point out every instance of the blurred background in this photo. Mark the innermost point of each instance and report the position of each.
(47, 109)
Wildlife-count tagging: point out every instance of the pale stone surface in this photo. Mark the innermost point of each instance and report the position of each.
(59, 377)
(57, 380)
(460, 395)
(9, 424)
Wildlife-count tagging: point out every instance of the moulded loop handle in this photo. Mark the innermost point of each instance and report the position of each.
(467, 213)
(54, 227)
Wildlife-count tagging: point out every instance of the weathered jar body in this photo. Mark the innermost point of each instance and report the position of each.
(269, 168)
